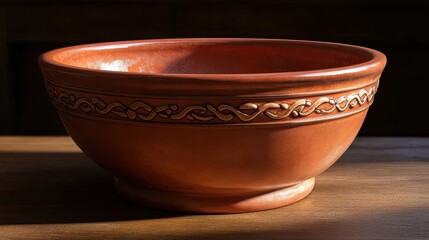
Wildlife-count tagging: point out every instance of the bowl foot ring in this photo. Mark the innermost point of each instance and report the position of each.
(197, 203)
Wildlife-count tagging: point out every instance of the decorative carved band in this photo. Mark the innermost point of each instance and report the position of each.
(142, 111)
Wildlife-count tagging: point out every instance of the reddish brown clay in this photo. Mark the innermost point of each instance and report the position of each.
(213, 125)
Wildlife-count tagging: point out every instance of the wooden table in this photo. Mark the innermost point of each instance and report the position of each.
(378, 190)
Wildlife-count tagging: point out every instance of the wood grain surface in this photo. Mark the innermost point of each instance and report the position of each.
(378, 190)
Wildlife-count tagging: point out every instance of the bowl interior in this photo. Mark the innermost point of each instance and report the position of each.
(212, 57)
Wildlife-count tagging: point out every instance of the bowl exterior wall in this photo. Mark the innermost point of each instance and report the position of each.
(208, 159)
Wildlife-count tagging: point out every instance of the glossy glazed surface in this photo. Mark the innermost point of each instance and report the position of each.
(211, 57)
(213, 118)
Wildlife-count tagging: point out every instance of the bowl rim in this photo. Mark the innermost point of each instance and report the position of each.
(375, 64)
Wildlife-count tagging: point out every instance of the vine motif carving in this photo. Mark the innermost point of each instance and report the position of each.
(141, 111)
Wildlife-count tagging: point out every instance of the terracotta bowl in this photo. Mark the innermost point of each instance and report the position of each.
(213, 125)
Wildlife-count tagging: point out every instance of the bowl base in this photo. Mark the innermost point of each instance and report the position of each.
(199, 203)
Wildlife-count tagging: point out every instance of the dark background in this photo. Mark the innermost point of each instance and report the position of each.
(400, 29)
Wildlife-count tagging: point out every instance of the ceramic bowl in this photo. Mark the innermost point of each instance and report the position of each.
(213, 125)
